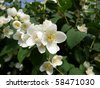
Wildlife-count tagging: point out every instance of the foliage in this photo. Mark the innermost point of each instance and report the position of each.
(78, 20)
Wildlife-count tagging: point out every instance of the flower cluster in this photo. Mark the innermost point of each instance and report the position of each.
(49, 65)
(43, 35)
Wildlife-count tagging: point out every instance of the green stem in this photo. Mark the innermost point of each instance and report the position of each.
(92, 44)
(62, 12)
(59, 71)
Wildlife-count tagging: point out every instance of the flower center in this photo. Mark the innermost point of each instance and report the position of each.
(17, 24)
(51, 37)
(56, 61)
(47, 66)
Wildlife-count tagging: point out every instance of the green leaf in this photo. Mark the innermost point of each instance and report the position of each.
(55, 18)
(93, 28)
(82, 68)
(96, 47)
(98, 6)
(35, 70)
(75, 71)
(9, 47)
(79, 56)
(37, 58)
(65, 27)
(65, 67)
(23, 52)
(65, 4)
(74, 37)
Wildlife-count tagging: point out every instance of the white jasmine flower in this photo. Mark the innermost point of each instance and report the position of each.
(2, 7)
(24, 17)
(46, 66)
(17, 24)
(56, 61)
(12, 11)
(35, 35)
(20, 12)
(89, 71)
(82, 28)
(7, 32)
(3, 21)
(52, 36)
(21, 37)
(86, 64)
(25, 26)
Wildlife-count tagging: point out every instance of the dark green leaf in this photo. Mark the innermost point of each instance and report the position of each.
(75, 71)
(75, 37)
(79, 56)
(55, 18)
(9, 48)
(23, 52)
(82, 68)
(65, 27)
(37, 58)
(65, 4)
(96, 47)
(65, 67)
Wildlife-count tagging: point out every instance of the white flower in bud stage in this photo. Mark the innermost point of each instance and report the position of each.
(57, 61)
(12, 11)
(21, 37)
(17, 24)
(51, 36)
(47, 66)
(82, 28)
(7, 32)
(89, 71)
(86, 64)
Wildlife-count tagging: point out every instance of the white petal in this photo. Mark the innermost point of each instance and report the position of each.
(53, 48)
(89, 71)
(41, 49)
(30, 30)
(42, 68)
(39, 34)
(49, 25)
(60, 37)
(50, 72)
(57, 60)
(86, 64)
(22, 44)
(30, 42)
